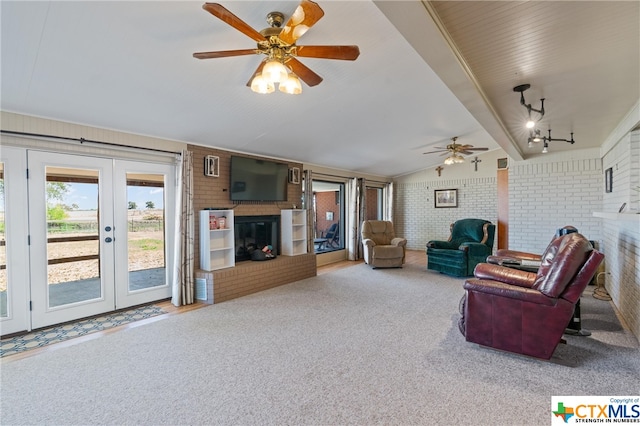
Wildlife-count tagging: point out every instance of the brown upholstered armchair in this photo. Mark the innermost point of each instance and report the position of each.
(381, 247)
(525, 312)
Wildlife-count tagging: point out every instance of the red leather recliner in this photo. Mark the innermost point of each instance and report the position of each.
(509, 257)
(525, 312)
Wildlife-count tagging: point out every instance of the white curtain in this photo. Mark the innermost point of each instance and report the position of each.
(352, 214)
(389, 202)
(362, 213)
(183, 282)
(357, 212)
(307, 204)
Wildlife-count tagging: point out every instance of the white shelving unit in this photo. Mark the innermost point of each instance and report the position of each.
(217, 249)
(294, 232)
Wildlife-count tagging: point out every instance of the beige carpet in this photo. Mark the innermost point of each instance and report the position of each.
(356, 346)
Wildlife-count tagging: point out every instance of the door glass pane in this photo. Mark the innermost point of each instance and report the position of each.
(73, 246)
(328, 202)
(374, 204)
(146, 254)
(3, 250)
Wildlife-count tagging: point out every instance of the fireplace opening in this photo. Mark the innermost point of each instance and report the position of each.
(255, 232)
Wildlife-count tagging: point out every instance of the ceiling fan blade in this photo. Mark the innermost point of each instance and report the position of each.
(305, 74)
(305, 16)
(257, 71)
(348, 53)
(465, 152)
(478, 149)
(224, 53)
(223, 14)
(436, 152)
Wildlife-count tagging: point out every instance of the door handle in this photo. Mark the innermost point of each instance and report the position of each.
(108, 239)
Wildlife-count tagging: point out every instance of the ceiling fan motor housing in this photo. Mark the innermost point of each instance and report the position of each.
(275, 19)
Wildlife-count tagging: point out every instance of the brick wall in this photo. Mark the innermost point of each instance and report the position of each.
(326, 202)
(214, 191)
(417, 219)
(371, 211)
(246, 277)
(621, 236)
(546, 196)
(621, 247)
(251, 277)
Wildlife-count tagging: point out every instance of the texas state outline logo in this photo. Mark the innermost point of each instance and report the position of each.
(595, 409)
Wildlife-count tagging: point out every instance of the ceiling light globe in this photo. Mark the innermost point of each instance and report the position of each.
(458, 159)
(530, 124)
(449, 161)
(291, 85)
(545, 150)
(274, 72)
(262, 86)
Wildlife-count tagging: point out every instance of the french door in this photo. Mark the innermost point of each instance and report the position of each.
(14, 248)
(98, 232)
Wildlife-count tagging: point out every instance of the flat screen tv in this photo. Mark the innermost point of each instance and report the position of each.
(253, 179)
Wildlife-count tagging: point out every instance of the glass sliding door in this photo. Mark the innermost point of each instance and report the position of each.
(328, 203)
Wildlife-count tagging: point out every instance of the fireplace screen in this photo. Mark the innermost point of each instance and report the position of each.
(255, 232)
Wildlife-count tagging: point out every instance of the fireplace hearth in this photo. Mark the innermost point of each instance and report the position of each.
(255, 232)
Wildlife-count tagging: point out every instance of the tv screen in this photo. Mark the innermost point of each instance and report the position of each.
(253, 179)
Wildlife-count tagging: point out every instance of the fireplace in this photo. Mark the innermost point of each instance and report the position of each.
(255, 232)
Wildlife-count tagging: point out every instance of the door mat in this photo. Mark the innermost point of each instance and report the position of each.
(60, 333)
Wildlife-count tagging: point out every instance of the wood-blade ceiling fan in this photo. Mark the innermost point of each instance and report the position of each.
(279, 44)
(455, 151)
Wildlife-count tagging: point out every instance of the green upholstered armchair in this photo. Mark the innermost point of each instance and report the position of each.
(470, 243)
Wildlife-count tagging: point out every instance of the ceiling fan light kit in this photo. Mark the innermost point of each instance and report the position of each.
(279, 45)
(260, 84)
(291, 85)
(454, 159)
(534, 134)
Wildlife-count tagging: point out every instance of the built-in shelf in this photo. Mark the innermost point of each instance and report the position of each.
(293, 226)
(216, 240)
(627, 217)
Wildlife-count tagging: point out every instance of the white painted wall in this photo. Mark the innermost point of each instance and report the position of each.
(546, 192)
(547, 195)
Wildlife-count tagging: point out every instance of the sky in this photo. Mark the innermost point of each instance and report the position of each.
(85, 196)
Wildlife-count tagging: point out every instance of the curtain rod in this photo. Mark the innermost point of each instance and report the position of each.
(344, 177)
(83, 140)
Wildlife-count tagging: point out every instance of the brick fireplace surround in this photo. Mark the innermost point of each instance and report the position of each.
(246, 277)
(251, 277)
